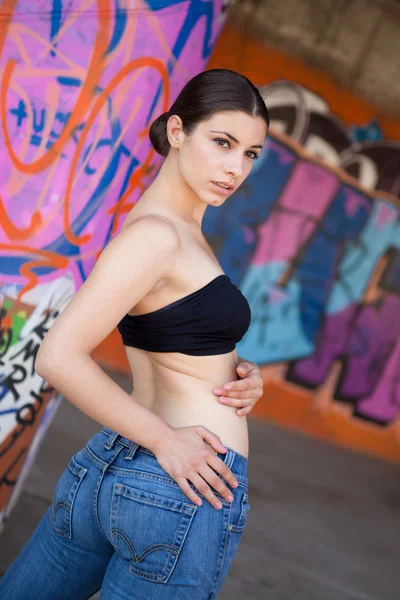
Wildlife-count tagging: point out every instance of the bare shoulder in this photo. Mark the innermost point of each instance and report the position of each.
(127, 269)
(142, 253)
(160, 229)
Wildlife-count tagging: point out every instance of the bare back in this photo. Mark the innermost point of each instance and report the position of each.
(176, 386)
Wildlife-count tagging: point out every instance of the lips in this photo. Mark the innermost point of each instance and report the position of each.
(220, 187)
(220, 190)
(224, 184)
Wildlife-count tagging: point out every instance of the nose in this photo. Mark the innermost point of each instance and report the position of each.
(235, 167)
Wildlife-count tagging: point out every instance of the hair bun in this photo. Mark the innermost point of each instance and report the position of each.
(206, 94)
(158, 134)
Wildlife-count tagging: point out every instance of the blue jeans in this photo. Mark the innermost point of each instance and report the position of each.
(120, 523)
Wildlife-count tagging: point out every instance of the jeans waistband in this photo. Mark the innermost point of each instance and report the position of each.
(237, 463)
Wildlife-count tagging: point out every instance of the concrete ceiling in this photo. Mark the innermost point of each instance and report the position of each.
(357, 41)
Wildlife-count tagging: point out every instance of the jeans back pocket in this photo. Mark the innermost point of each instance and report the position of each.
(60, 512)
(149, 530)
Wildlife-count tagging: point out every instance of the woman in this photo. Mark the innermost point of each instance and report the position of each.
(154, 506)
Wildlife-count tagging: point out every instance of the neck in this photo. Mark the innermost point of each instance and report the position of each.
(171, 192)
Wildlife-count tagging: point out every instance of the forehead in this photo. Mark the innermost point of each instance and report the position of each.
(245, 128)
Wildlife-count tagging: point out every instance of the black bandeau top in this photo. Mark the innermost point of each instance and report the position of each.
(208, 321)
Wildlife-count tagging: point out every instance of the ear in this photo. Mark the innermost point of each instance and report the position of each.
(175, 131)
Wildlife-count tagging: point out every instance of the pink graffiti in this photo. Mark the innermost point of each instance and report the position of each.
(294, 217)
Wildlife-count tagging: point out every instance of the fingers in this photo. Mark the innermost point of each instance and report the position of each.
(205, 491)
(188, 491)
(200, 482)
(216, 483)
(220, 467)
(239, 388)
(201, 466)
(253, 391)
(242, 412)
(211, 438)
(204, 477)
(234, 402)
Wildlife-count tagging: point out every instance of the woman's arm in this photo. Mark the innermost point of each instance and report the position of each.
(87, 386)
(127, 269)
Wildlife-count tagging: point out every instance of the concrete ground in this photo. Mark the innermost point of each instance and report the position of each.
(324, 523)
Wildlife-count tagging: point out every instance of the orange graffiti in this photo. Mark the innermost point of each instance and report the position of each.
(51, 260)
(7, 8)
(94, 72)
(93, 75)
(135, 64)
(95, 69)
(15, 233)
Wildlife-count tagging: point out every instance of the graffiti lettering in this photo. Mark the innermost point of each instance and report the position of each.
(80, 87)
(319, 263)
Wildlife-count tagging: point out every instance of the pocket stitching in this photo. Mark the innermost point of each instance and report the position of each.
(143, 475)
(79, 472)
(243, 512)
(57, 506)
(145, 552)
(130, 493)
(187, 511)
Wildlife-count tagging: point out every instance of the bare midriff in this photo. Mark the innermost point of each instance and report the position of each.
(179, 389)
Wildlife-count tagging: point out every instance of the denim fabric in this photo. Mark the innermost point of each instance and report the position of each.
(119, 522)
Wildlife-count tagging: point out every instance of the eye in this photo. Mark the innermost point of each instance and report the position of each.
(221, 141)
(253, 156)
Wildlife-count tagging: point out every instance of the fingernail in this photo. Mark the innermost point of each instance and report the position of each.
(217, 391)
(219, 505)
(229, 498)
(235, 484)
(228, 387)
(222, 400)
(223, 448)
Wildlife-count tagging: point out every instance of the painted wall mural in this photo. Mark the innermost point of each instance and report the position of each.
(81, 82)
(313, 240)
(318, 260)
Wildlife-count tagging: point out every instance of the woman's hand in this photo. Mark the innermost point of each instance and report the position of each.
(245, 393)
(186, 456)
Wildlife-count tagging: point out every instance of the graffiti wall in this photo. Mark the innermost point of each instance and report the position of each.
(313, 240)
(81, 82)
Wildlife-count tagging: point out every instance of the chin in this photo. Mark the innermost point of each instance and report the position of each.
(216, 201)
(210, 198)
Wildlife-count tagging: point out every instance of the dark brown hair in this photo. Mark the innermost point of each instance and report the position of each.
(205, 94)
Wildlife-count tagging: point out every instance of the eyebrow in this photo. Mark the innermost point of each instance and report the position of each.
(234, 139)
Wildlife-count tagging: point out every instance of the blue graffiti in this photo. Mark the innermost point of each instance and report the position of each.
(316, 270)
(364, 133)
(196, 11)
(232, 227)
(121, 18)
(12, 264)
(56, 20)
(39, 120)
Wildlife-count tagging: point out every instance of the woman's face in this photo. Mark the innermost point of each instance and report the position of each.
(220, 152)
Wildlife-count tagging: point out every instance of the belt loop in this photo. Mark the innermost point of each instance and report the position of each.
(131, 452)
(229, 458)
(111, 440)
